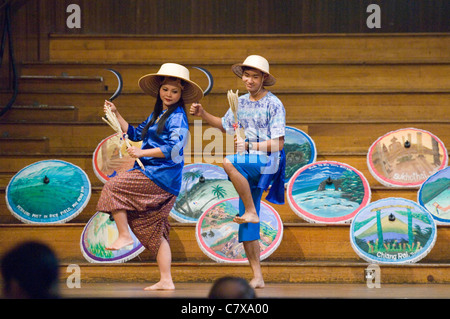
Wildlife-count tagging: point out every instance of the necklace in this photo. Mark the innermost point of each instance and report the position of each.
(159, 117)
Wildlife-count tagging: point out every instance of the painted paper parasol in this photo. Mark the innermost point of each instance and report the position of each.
(300, 150)
(406, 157)
(110, 157)
(100, 232)
(393, 231)
(328, 192)
(434, 196)
(202, 186)
(50, 191)
(217, 234)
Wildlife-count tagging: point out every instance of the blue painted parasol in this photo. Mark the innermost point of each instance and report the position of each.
(50, 191)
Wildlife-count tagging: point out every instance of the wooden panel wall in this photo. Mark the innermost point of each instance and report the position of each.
(34, 20)
(248, 16)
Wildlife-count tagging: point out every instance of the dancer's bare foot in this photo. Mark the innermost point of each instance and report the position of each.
(120, 243)
(257, 283)
(161, 285)
(248, 217)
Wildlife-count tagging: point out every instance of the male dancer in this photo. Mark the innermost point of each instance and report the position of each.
(260, 159)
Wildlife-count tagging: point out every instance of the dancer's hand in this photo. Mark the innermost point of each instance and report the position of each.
(239, 142)
(196, 109)
(134, 152)
(111, 106)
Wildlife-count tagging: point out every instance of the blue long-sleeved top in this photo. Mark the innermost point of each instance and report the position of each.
(165, 172)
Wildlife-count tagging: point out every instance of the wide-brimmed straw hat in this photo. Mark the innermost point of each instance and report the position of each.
(151, 83)
(255, 62)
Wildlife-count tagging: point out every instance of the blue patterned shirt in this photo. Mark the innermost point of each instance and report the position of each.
(261, 120)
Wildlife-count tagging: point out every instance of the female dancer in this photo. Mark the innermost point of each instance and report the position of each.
(141, 198)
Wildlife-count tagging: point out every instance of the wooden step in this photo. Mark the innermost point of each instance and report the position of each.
(130, 73)
(331, 137)
(24, 144)
(387, 107)
(41, 112)
(277, 48)
(358, 137)
(286, 213)
(12, 163)
(61, 83)
(286, 272)
(317, 78)
(301, 242)
(89, 105)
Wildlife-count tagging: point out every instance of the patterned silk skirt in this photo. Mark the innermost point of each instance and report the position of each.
(147, 205)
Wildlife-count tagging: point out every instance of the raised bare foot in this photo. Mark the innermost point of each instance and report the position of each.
(248, 217)
(161, 285)
(120, 243)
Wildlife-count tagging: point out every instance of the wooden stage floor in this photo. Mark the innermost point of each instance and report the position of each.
(272, 290)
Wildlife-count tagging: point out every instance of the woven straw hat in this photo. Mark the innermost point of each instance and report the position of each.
(255, 62)
(151, 83)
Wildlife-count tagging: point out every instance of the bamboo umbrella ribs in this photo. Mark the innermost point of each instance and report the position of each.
(111, 119)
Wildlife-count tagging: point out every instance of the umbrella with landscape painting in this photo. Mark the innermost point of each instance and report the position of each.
(328, 192)
(406, 157)
(217, 233)
(100, 232)
(202, 186)
(300, 151)
(393, 231)
(434, 196)
(49, 191)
